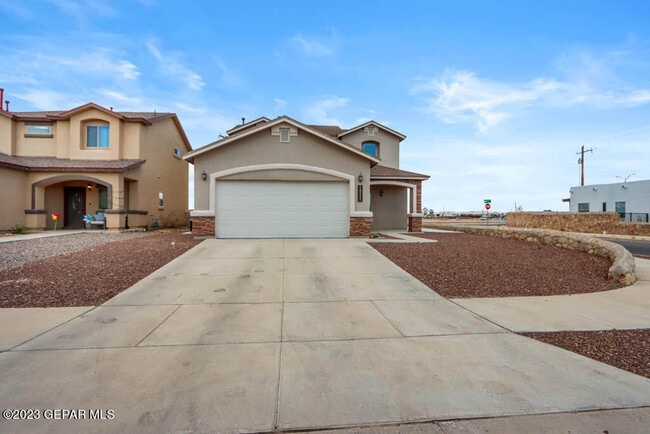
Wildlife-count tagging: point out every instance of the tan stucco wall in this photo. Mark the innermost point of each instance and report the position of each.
(163, 172)
(388, 145)
(12, 199)
(33, 146)
(263, 148)
(54, 200)
(6, 135)
(390, 210)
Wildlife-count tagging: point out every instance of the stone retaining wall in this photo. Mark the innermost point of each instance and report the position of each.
(622, 269)
(586, 222)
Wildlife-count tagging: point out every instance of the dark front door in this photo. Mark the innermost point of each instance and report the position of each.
(75, 207)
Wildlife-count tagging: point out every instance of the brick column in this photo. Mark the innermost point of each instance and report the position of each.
(203, 226)
(415, 224)
(359, 226)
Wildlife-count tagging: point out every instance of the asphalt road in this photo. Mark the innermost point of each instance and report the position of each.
(635, 247)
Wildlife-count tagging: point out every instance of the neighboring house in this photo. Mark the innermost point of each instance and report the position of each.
(281, 178)
(91, 159)
(630, 199)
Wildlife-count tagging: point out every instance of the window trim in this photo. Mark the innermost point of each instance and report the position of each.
(161, 200)
(583, 210)
(97, 146)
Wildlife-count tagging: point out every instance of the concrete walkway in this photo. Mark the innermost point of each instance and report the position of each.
(256, 335)
(625, 308)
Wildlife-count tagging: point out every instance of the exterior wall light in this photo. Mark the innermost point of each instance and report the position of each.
(204, 175)
(360, 178)
(381, 193)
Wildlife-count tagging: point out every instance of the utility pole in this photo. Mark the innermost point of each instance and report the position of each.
(581, 162)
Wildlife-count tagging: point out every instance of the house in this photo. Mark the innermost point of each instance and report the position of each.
(630, 199)
(92, 159)
(281, 178)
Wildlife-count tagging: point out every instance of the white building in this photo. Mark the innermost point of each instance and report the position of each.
(630, 199)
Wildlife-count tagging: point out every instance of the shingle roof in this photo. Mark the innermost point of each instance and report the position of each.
(50, 113)
(379, 171)
(330, 130)
(52, 164)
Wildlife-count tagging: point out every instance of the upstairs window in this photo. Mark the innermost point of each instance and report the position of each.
(370, 148)
(97, 136)
(38, 130)
(284, 134)
(177, 152)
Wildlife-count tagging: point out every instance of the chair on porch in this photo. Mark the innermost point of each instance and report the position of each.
(99, 219)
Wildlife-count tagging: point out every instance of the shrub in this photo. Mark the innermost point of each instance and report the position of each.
(19, 230)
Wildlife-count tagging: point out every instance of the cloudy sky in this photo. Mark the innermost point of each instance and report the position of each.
(494, 98)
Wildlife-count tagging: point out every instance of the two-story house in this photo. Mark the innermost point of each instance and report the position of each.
(281, 178)
(90, 159)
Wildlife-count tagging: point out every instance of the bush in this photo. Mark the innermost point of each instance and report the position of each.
(19, 230)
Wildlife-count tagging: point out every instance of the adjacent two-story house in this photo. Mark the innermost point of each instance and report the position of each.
(92, 159)
(281, 178)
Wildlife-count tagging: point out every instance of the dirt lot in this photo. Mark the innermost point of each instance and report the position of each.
(625, 349)
(465, 265)
(90, 276)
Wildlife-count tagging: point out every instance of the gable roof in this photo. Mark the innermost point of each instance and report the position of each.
(377, 124)
(330, 130)
(146, 118)
(247, 124)
(384, 172)
(282, 119)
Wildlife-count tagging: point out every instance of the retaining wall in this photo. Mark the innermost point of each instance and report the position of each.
(586, 222)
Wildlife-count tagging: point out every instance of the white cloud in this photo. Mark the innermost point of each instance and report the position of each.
(48, 99)
(321, 111)
(171, 65)
(81, 9)
(315, 46)
(280, 105)
(462, 96)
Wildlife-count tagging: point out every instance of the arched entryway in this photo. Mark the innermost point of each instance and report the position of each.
(392, 203)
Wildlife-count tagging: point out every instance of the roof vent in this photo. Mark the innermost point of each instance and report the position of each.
(2, 92)
(7, 104)
(243, 121)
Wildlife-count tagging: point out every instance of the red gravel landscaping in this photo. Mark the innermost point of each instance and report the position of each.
(465, 265)
(625, 349)
(91, 276)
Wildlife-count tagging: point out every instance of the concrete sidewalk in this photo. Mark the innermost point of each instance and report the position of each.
(260, 335)
(625, 308)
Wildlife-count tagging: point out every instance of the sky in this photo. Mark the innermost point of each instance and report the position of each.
(495, 98)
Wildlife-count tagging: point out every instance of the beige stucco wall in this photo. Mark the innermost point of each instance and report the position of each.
(263, 148)
(163, 172)
(54, 200)
(390, 210)
(388, 145)
(6, 135)
(33, 146)
(12, 210)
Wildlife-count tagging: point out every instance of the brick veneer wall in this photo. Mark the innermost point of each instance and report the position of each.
(587, 222)
(359, 226)
(415, 224)
(203, 226)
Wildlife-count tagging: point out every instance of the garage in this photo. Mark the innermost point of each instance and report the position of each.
(278, 209)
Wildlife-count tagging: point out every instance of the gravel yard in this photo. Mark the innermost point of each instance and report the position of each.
(17, 253)
(465, 265)
(87, 276)
(625, 349)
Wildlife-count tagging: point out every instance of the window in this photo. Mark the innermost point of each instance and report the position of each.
(583, 207)
(604, 206)
(284, 134)
(370, 148)
(96, 136)
(103, 198)
(177, 152)
(160, 199)
(620, 208)
(38, 130)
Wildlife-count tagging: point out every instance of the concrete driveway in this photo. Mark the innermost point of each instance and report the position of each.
(256, 335)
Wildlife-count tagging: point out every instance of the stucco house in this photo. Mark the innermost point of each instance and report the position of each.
(281, 178)
(128, 166)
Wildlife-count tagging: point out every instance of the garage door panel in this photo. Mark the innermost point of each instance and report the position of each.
(281, 209)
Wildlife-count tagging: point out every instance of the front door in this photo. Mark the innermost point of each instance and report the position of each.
(75, 207)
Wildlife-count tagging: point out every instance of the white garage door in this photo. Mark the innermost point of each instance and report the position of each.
(281, 209)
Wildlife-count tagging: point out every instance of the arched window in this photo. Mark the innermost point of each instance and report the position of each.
(371, 148)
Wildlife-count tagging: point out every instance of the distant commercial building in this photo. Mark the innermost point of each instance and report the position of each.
(630, 199)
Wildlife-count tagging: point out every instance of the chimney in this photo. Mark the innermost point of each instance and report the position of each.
(243, 121)
(7, 104)
(2, 92)
(111, 108)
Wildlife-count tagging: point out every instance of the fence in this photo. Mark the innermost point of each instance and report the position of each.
(635, 217)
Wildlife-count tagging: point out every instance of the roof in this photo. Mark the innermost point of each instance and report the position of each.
(330, 130)
(282, 119)
(378, 125)
(383, 172)
(52, 164)
(247, 124)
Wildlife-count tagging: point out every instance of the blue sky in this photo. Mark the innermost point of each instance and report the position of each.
(495, 98)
